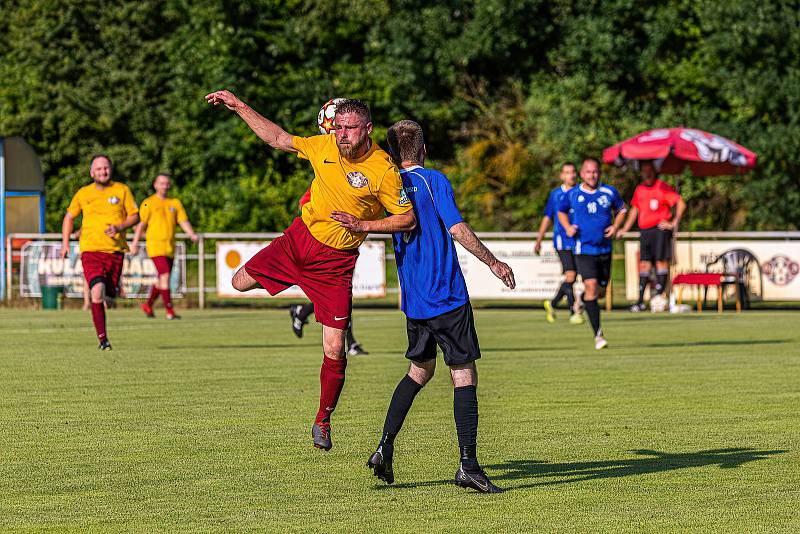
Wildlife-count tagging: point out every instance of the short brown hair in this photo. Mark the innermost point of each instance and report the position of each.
(405, 141)
(351, 105)
(101, 155)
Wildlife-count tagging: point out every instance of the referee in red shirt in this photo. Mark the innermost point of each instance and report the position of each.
(652, 205)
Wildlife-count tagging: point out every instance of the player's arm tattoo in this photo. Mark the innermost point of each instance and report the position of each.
(462, 233)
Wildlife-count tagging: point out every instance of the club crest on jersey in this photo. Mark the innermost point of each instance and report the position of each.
(113, 200)
(603, 201)
(356, 179)
(172, 209)
(404, 200)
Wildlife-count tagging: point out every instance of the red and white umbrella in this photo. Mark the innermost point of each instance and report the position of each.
(674, 149)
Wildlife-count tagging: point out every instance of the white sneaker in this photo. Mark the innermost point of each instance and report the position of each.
(600, 343)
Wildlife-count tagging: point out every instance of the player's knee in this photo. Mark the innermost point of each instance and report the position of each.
(242, 281)
(422, 372)
(464, 375)
(569, 277)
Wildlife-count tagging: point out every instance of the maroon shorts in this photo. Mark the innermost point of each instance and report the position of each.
(103, 267)
(163, 264)
(325, 274)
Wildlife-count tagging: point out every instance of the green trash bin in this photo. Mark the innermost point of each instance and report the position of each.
(50, 297)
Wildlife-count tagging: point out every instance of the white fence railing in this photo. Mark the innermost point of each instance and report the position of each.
(202, 255)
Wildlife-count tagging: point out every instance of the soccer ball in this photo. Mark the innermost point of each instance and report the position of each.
(658, 303)
(326, 115)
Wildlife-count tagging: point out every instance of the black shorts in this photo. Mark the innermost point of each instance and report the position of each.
(453, 331)
(567, 260)
(655, 244)
(597, 267)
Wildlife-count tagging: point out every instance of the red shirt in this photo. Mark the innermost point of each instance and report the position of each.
(654, 203)
(305, 198)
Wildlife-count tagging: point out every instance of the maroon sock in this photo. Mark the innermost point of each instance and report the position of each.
(99, 319)
(167, 298)
(153, 296)
(331, 381)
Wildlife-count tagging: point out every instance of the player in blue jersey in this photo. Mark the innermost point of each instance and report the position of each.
(592, 213)
(563, 244)
(436, 304)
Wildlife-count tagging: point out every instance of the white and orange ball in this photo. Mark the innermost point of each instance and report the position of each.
(327, 114)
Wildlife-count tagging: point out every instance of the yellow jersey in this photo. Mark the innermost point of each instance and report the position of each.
(112, 205)
(161, 216)
(366, 188)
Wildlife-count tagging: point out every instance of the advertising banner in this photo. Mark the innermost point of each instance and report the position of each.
(772, 268)
(537, 277)
(369, 278)
(41, 266)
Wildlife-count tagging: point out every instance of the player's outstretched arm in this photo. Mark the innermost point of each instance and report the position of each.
(141, 228)
(66, 229)
(537, 248)
(569, 228)
(462, 233)
(131, 221)
(187, 227)
(404, 222)
(632, 214)
(265, 129)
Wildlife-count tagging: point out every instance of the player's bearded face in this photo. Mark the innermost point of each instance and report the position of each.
(352, 134)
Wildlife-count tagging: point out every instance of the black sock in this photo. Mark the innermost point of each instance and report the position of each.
(661, 282)
(465, 411)
(305, 311)
(559, 295)
(593, 311)
(402, 399)
(644, 279)
(350, 339)
(567, 288)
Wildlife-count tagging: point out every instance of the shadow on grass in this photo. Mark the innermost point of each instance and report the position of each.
(719, 342)
(540, 473)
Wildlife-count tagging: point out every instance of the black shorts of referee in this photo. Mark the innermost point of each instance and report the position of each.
(655, 244)
(454, 333)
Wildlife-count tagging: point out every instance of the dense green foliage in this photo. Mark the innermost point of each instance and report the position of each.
(684, 424)
(506, 91)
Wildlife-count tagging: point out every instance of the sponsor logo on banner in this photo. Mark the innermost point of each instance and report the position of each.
(780, 270)
(41, 265)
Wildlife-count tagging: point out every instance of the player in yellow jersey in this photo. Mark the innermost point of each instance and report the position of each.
(108, 210)
(160, 215)
(352, 175)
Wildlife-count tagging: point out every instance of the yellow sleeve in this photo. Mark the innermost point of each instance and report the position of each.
(309, 147)
(129, 203)
(391, 194)
(181, 213)
(74, 207)
(144, 212)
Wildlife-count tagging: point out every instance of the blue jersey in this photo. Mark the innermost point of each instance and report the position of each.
(431, 282)
(592, 212)
(561, 241)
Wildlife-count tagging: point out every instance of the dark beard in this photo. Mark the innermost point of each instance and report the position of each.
(349, 150)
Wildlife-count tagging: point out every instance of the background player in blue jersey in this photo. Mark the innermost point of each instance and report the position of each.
(436, 304)
(597, 212)
(563, 244)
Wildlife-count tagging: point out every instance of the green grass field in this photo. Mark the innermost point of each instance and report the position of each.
(687, 423)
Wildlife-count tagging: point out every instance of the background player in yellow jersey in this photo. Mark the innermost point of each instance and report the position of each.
(108, 210)
(352, 175)
(160, 216)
